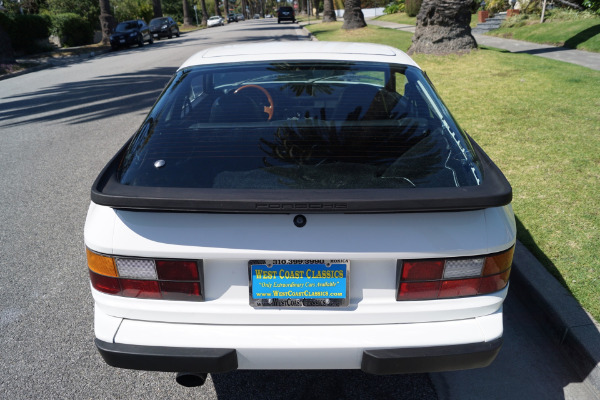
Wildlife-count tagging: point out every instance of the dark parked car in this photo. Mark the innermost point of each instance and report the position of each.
(286, 14)
(132, 32)
(164, 27)
(232, 18)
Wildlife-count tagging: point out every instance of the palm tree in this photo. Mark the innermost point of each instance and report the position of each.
(187, 20)
(353, 16)
(226, 6)
(443, 28)
(328, 11)
(107, 21)
(157, 8)
(204, 12)
(217, 10)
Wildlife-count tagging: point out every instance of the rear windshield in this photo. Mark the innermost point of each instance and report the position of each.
(300, 125)
(125, 26)
(159, 21)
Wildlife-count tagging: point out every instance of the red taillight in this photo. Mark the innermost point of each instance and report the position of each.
(177, 270)
(140, 289)
(147, 278)
(422, 270)
(105, 284)
(453, 277)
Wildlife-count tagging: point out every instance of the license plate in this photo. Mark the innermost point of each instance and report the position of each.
(122, 40)
(156, 35)
(299, 283)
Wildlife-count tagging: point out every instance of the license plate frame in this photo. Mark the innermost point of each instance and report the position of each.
(299, 283)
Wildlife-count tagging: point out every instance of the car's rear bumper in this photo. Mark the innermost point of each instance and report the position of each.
(379, 361)
(378, 349)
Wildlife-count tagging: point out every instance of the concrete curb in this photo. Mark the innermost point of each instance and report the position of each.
(574, 331)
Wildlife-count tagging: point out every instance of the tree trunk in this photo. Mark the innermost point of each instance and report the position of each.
(107, 21)
(244, 5)
(217, 9)
(328, 11)
(204, 13)
(157, 8)
(443, 28)
(187, 20)
(7, 54)
(353, 16)
(226, 6)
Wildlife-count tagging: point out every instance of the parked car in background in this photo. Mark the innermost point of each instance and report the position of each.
(215, 21)
(313, 206)
(132, 32)
(164, 27)
(241, 17)
(286, 14)
(256, 16)
(232, 17)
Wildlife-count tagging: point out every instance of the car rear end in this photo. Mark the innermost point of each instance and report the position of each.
(286, 14)
(403, 279)
(350, 224)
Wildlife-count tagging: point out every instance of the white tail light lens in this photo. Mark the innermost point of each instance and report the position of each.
(136, 268)
(463, 268)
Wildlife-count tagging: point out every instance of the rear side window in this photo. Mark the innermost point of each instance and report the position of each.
(299, 125)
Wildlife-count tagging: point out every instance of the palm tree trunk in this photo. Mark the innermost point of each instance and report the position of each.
(157, 7)
(187, 20)
(244, 13)
(353, 16)
(217, 9)
(204, 13)
(328, 11)
(443, 28)
(107, 21)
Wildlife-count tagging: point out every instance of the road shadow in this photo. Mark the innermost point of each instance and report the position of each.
(84, 101)
(328, 384)
(530, 365)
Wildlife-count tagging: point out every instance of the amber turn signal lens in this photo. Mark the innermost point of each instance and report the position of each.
(101, 264)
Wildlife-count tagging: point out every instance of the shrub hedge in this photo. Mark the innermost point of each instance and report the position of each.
(72, 29)
(412, 7)
(26, 31)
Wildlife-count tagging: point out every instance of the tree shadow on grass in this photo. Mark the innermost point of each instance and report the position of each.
(525, 237)
(582, 36)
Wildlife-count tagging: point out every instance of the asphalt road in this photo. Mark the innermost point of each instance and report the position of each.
(58, 128)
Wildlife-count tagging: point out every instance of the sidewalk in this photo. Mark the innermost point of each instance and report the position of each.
(579, 57)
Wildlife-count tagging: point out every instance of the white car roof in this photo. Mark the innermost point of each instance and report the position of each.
(301, 50)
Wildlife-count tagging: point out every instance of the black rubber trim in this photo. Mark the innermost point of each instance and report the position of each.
(494, 191)
(167, 359)
(430, 359)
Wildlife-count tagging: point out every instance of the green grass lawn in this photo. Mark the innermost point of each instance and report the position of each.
(399, 18)
(402, 18)
(539, 120)
(583, 34)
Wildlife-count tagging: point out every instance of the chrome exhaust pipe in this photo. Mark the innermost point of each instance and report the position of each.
(191, 379)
